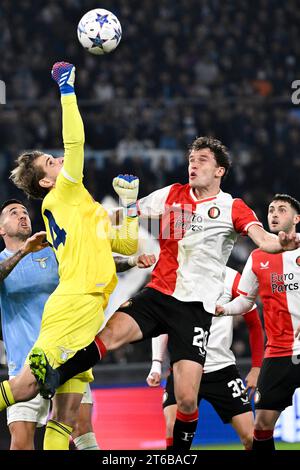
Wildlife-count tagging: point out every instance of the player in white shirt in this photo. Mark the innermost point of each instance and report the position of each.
(221, 383)
(199, 224)
(276, 278)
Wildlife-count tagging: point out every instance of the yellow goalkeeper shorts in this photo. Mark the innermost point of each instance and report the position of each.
(69, 323)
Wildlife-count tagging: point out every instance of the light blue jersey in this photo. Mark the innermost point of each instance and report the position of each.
(23, 294)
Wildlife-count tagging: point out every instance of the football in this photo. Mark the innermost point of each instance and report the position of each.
(99, 31)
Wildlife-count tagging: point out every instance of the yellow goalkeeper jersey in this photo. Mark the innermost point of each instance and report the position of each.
(79, 228)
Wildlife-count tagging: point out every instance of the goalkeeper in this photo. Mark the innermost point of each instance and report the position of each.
(79, 230)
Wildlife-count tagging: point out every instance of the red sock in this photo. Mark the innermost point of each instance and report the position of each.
(187, 418)
(101, 347)
(263, 435)
(263, 440)
(169, 442)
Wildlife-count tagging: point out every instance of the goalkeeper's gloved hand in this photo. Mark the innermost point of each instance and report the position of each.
(127, 188)
(64, 74)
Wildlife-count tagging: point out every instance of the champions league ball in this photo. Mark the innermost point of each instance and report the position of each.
(99, 31)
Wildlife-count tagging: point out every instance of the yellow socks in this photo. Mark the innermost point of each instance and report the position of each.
(57, 436)
(6, 396)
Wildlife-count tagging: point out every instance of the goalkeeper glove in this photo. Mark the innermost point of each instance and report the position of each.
(127, 188)
(64, 75)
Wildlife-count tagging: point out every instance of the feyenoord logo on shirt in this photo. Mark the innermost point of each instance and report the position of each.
(298, 261)
(214, 212)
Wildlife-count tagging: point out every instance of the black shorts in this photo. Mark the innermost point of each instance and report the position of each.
(186, 323)
(278, 379)
(222, 389)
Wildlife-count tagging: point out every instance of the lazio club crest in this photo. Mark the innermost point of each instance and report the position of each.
(42, 262)
(64, 353)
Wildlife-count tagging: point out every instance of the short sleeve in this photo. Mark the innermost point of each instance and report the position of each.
(243, 217)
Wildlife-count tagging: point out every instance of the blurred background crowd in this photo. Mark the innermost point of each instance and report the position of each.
(184, 68)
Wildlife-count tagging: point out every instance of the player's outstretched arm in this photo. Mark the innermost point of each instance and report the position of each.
(238, 306)
(34, 243)
(124, 240)
(73, 131)
(127, 188)
(142, 261)
(247, 292)
(273, 243)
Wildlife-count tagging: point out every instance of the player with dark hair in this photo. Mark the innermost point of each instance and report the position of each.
(199, 225)
(276, 278)
(28, 275)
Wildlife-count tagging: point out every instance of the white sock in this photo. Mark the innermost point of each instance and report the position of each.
(86, 442)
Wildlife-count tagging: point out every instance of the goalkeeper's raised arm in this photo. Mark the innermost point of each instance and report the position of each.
(73, 131)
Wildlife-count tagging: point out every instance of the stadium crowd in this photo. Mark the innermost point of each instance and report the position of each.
(183, 68)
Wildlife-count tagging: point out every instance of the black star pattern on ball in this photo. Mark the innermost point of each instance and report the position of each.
(97, 41)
